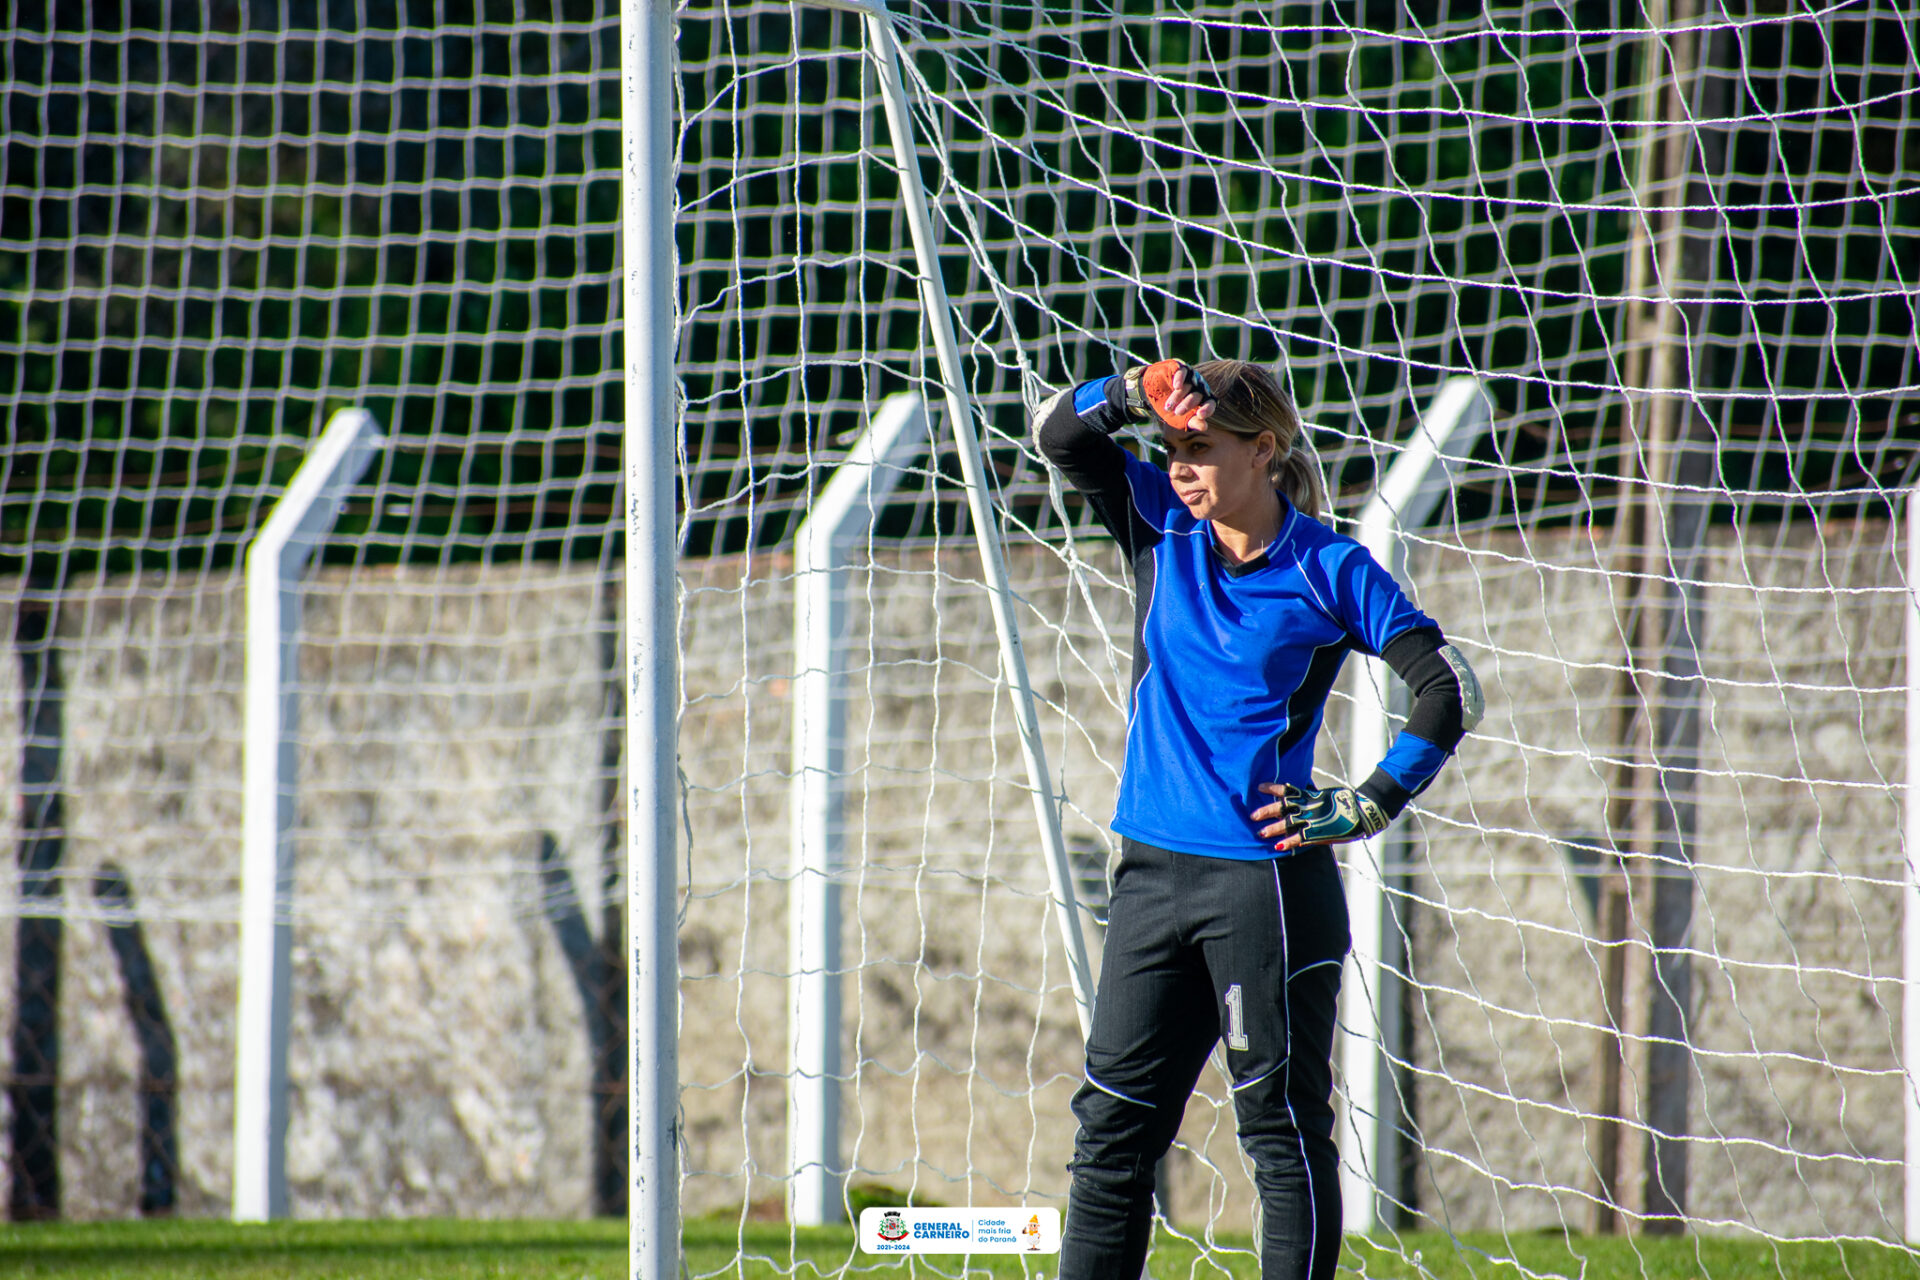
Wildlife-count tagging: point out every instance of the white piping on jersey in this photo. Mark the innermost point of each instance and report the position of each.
(1286, 702)
(1116, 1093)
(1133, 496)
(1286, 530)
(1269, 551)
(1140, 677)
(1286, 1088)
(1326, 610)
(1153, 594)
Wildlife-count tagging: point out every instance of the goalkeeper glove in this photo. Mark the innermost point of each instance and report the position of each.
(1150, 387)
(1309, 815)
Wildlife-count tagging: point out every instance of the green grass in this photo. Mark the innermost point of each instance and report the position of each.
(445, 1250)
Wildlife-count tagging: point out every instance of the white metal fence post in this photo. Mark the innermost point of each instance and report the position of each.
(276, 564)
(840, 515)
(1369, 989)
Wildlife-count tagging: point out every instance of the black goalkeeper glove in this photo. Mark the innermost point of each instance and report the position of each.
(1306, 815)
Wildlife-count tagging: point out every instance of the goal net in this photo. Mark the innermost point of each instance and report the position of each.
(1642, 960)
(1640, 967)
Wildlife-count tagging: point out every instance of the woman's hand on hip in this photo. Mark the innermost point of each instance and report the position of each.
(1301, 816)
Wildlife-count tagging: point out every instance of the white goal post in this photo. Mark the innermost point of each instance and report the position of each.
(651, 636)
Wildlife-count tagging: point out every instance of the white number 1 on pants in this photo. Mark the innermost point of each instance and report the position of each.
(1236, 1019)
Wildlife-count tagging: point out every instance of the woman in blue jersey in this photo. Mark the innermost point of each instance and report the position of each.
(1227, 919)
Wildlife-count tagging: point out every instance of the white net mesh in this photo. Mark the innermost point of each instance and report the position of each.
(1644, 246)
(1681, 265)
(222, 222)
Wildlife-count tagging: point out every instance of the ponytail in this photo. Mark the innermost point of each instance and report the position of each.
(1298, 478)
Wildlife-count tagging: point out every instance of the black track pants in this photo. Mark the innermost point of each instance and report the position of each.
(1200, 949)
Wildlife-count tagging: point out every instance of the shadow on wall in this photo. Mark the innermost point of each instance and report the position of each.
(33, 1157)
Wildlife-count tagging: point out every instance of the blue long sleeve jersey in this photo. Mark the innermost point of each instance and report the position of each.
(1232, 663)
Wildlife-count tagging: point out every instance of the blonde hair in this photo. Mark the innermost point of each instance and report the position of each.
(1247, 402)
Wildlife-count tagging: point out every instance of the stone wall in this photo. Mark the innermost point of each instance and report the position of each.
(453, 718)
(1796, 937)
(437, 1054)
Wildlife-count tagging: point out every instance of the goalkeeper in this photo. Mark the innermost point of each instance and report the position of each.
(1227, 919)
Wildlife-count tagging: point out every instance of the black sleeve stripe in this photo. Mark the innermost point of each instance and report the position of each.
(1441, 704)
(1094, 464)
(1409, 645)
(1446, 703)
(1315, 684)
